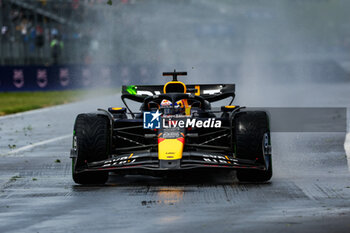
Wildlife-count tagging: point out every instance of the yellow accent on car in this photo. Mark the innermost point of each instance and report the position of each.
(230, 106)
(174, 82)
(170, 149)
(228, 160)
(116, 109)
(180, 103)
(188, 111)
(130, 157)
(187, 107)
(198, 88)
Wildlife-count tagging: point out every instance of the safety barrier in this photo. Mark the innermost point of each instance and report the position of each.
(36, 78)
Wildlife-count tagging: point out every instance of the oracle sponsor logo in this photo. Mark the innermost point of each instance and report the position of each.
(18, 78)
(41, 78)
(64, 76)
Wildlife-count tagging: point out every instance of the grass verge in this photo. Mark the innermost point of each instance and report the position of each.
(13, 102)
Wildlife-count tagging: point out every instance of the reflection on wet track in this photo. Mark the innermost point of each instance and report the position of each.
(309, 191)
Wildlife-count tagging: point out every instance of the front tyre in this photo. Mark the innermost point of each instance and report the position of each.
(91, 143)
(253, 142)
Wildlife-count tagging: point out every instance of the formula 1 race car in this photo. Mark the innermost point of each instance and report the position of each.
(175, 130)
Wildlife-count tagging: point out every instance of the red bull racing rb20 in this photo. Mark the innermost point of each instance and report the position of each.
(175, 130)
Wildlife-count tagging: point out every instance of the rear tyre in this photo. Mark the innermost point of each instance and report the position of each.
(253, 142)
(91, 142)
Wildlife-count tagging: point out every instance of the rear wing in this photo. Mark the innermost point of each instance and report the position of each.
(210, 92)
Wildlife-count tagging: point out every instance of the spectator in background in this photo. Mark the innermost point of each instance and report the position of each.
(32, 38)
(4, 33)
(4, 30)
(43, 2)
(39, 39)
(56, 49)
(75, 4)
(54, 32)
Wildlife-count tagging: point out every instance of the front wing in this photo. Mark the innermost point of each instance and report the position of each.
(190, 160)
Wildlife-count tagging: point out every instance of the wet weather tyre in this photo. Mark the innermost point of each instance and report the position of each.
(92, 138)
(252, 141)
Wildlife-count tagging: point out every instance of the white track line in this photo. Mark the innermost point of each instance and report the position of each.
(40, 110)
(347, 137)
(347, 148)
(31, 146)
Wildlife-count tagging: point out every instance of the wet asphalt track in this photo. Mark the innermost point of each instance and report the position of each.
(309, 192)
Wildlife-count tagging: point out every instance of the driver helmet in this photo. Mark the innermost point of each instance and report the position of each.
(180, 104)
(167, 106)
(179, 107)
(166, 103)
